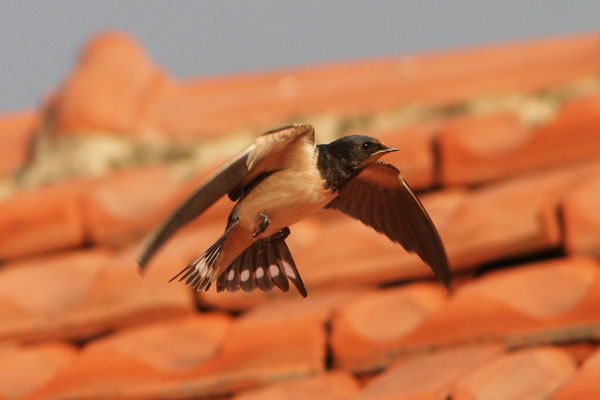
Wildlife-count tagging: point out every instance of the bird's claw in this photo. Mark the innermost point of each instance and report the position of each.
(262, 225)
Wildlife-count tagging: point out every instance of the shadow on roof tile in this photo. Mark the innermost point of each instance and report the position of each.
(246, 353)
(546, 302)
(427, 376)
(82, 294)
(532, 374)
(24, 369)
(582, 223)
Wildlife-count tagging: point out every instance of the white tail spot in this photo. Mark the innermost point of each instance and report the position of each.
(274, 270)
(289, 270)
(245, 275)
(231, 275)
(259, 272)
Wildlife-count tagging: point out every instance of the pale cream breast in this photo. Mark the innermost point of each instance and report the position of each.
(287, 196)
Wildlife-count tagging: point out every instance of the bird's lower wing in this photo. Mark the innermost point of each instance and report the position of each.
(267, 153)
(381, 198)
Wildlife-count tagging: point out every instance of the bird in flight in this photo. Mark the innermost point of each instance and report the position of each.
(282, 178)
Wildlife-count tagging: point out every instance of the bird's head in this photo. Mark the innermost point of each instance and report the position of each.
(359, 151)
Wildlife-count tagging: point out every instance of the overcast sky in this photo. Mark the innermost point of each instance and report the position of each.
(39, 40)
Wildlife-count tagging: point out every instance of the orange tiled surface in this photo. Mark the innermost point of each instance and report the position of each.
(502, 142)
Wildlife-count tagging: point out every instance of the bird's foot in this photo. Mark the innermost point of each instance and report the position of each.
(262, 225)
(280, 235)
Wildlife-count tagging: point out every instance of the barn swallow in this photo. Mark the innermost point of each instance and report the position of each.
(282, 178)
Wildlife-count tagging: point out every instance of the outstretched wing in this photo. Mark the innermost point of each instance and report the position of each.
(381, 198)
(269, 152)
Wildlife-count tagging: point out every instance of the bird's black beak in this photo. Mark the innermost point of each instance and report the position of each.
(386, 149)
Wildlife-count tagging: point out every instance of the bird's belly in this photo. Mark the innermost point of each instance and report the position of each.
(288, 213)
(285, 198)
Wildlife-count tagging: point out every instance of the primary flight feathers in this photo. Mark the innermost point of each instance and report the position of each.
(380, 198)
(281, 178)
(244, 167)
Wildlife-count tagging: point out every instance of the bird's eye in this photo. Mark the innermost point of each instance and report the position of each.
(366, 146)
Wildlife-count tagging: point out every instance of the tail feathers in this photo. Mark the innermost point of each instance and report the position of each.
(199, 274)
(265, 264)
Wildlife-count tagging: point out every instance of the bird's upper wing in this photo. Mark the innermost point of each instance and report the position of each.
(269, 152)
(380, 197)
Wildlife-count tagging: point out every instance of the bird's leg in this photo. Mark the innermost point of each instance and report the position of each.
(280, 235)
(262, 225)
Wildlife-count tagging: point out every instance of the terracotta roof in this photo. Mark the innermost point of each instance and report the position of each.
(132, 95)
(501, 142)
(478, 148)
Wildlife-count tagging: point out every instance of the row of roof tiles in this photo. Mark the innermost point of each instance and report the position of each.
(116, 88)
(118, 208)
(211, 353)
(469, 372)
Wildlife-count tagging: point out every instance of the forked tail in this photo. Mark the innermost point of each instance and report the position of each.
(265, 264)
(199, 274)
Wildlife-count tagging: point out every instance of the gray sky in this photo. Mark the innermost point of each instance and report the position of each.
(39, 40)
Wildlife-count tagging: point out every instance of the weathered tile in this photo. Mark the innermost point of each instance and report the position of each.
(543, 302)
(581, 220)
(527, 374)
(585, 384)
(141, 361)
(17, 131)
(122, 206)
(24, 369)
(258, 348)
(524, 218)
(267, 348)
(336, 385)
(30, 304)
(427, 376)
(171, 345)
(107, 90)
(479, 148)
(40, 220)
(91, 292)
(472, 147)
(363, 328)
(546, 302)
(276, 341)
